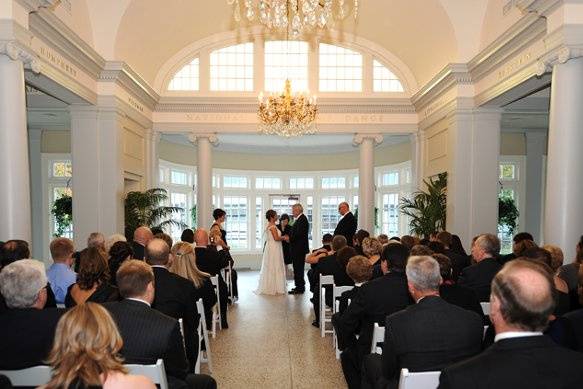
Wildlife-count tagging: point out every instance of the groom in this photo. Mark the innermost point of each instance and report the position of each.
(299, 247)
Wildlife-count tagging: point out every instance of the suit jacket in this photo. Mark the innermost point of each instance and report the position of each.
(533, 362)
(567, 330)
(345, 296)
(346, 227)
(430, 335)
(27, 336)
(371, 304)
(210, 261)
(298, 239)
(329, 266)
(461, 296)
(176, 297)
(458, 262)
(149, 335)
(479, 277)
(139, 250)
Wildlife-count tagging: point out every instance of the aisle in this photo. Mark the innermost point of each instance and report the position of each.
(270, 343)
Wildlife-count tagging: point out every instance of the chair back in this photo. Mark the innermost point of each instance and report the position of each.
(324, 280)
(486, 308)
(378, 336)
(156, 372)
(421, 380)
(32, 376)
(337, 292)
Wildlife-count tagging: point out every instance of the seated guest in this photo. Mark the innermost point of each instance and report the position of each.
(457, 246)
(314, 257)
(341, 277)
(97, 240)
(187, 236)
(570, 271)
(372, 248)
(184, 264)
(85, 352)
(568, 329)
(357, 240)
(59, 273)
(436, 246)
(142, 236)
(371, 304)
(408, 241)
(175, 296)
(209, 261)
(113, 239)
(517, 247)
(326, 243)
(148, 334)
(458, 261)
(557, 256)
(156, 230)
(479, 276)
(453, 293)
(420, 250)
(360, 271)
(165, 237)
(521, 357)
(92, 280)
(118, 253)
(427, 336)
(27, 329)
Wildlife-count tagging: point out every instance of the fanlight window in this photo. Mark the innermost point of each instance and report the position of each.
(232, 68)
(286, 59)
(384, 80)
(340, 69)
(187, 78)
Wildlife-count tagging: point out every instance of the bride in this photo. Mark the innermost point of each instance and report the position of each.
(272, 278)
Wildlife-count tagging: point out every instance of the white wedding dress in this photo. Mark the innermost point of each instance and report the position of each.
(272, 278)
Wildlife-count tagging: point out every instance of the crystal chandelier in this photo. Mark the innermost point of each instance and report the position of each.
(286, 114)
(295, 16)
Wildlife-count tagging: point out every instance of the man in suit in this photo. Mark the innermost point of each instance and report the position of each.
(521, 357)
(148, 334)
(175, 296)
(479, 276)
(27, 329)
(142, 236)
(211, 261)
(346, 224)
(299, 247)
(371, 304)
(427, 336)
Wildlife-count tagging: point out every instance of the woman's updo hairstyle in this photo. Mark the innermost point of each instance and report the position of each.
(270, 214)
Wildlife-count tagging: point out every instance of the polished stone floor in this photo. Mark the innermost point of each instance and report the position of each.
(270, 343)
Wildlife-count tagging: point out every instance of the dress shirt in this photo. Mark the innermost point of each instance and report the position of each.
(139, 300)
(60, 277)
(516, 334)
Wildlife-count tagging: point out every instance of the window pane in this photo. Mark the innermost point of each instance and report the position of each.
(355, 181)
(187, 78)
(340, 69)
(62, 169)
(391, 178)
(179, 200)
(234, 182)
(178, 178)
(258, 223)
(309, 215)
(333, 182)
(236, 221)
(390, 215)
(231, 68)
(301, 183)
(507, 172)
(330, 213)
(268, 183)
(384, 80)
(286, 60)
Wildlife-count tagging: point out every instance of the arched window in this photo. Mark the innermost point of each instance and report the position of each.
(384, 80)
(286, 59)
(232, 68)
(340, 69)
(187, 78)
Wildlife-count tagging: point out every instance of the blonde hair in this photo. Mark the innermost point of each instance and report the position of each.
(556, 255)
(184, 264)
(371, 246)
(86, 346)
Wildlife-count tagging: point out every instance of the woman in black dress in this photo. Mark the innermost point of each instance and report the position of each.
(220, 215)
(285, 229)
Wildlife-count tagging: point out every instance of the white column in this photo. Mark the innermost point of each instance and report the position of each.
(366, 184)
(472, 188)
(536, 143)
(36, 193)
(204, 177)
(14, 174)
(153, 159)
(417, 158)
(564, 186)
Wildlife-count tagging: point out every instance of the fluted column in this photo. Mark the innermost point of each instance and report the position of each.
(204, 177)
(536, 143)
(366, 184)
(417, 158)
(563, 206)
(152, 146)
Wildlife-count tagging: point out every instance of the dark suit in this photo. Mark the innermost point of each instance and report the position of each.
(567, 330)
(139, 250)
(299, 247)
(329, 266)
(209, 298)
(27, 336)
(371, 304)
(479, 277)
(209, 260)
(533, 362)
(462, 297)
(458, 262)
(346, 227)
(427, 336)
(345, 296)
(176, 297)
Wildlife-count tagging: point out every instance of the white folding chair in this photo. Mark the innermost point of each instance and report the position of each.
(378, 336)
(324, 280)
(206, 358)
(32, 376)
(486, 308)
(337, 307)
(156, 372)
(421, 380)
(336, 293)
(227, 276)
(217, 308)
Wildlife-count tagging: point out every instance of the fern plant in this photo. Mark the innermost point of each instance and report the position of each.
(145, 209)
(427, 209)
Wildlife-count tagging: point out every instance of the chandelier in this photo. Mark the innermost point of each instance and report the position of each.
(296, 16)
(287, 115)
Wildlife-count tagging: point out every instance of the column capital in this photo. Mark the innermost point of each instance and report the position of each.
(212, 138)
(359, 138)
(35, 5)
(17, 52)
(558, 56)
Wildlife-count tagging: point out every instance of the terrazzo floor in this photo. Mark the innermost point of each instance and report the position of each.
(270, 343)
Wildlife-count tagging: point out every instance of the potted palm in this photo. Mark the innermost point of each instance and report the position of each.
(62, 209)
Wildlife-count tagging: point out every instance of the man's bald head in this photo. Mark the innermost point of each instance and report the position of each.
(157, 252)
(343, 208)
(143, 235)
(201, 237)
(523, 296)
